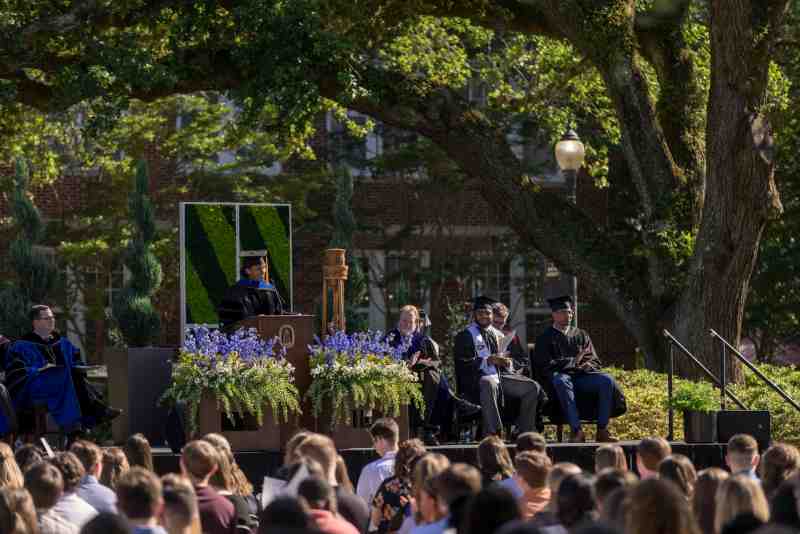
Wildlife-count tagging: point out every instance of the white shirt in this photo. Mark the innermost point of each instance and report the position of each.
(74, 509)
(373, 474)
(52, 523)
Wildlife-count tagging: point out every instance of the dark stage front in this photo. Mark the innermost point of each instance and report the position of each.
(257, 464)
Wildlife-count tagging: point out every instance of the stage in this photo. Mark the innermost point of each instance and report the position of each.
(257, 464)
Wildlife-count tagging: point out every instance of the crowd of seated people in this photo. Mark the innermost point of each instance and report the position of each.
(421, 492)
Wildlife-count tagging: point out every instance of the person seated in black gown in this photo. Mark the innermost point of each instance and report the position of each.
(422, 356)
(45, 368)
(252, 295)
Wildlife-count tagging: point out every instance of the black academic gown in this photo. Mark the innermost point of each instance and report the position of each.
(468, 364)
(248, 298)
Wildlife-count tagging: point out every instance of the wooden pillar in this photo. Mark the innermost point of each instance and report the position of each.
(334, 275)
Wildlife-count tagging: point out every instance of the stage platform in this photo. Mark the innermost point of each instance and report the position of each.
(257, 464)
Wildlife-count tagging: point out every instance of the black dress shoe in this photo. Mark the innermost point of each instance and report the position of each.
(110, 414)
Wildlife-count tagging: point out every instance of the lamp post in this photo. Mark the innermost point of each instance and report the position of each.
(569, 155)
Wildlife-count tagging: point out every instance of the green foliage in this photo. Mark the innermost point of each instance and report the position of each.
(695, 397)
(36, 277)
(138, 320)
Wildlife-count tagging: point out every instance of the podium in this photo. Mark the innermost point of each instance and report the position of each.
(296, 333)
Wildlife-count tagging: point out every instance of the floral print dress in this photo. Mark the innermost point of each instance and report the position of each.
(390, 505)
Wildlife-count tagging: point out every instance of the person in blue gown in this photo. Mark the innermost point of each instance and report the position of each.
(252, 295)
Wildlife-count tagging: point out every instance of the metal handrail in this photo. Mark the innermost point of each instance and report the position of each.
(727, 346)
(673, 342)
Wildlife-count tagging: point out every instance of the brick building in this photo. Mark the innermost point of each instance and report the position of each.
(430, 247)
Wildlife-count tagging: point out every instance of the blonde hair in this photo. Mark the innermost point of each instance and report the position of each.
(737, 495)
(410, 309)
(239, 483)
(115, 464)
(180, 503)
(10, 474)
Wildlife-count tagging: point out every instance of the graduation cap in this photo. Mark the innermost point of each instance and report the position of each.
(562, 303)
(482, 303)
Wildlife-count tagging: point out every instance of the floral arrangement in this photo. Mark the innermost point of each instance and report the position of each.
(243, 372)
(361, 371)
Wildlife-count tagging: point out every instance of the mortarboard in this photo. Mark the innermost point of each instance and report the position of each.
(560, 303)
(482, 303)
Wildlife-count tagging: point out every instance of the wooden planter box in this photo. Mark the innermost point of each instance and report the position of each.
(247, 436)
(354, 434)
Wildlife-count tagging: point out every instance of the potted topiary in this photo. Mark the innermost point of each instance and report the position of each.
(699, 403)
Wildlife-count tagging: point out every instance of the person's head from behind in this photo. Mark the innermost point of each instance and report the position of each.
(180, 514)
(199, 461)
(455, 482)
(610, 456)
(532, 470)
(408, 320)
(559, 472)
(783, 508)
(491, 508)
(742, 524)
(531, 441)
(222, 479)
(317, 494)
(115, 464)
(649, 454)
(429, 507)
(10, 473)
(780, 462)
(704, 498)
(45, 484)
(610, 479)
(290, 454)
(737, 495)
(322, 450)
(612, 508)
(138, 451)
(17, 512)
(90, 455)
(575, 500)
(742, 453)
(283, 514)
(43, 321)
(107, 523)
(71, 468)
(493, 458)
(27, 455)
(655, 506)
(408, 454)
(385, 435)
(680, 470)
(139, 495)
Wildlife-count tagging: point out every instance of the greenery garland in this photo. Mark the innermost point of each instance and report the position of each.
(361, 371)
(243, 372)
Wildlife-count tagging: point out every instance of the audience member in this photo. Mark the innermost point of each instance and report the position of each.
(783, 505)
(90, 489)
(70, 506)
(742, 524)
(108, 523)
(531, 441)
(17, 514)
(10, 474)
(779, 463)
(612, 508)
(239, 484)
(490, 509)
(223, 483)
(180, 515)
(610, 479)
(704, 502)
(138, 452)
(431, 511)
(649, 454)
(656, 506)
(531, 476)
(46, 485)
(575, 501)
(680, 470)
(391, 503)
(561, 470)
(342, 476)
(494, 461)
(115, 464)
(27, 455)
(520, 526)
(598, 528)
(742, 455)
(740, 494)
(322, 450)
(610, 456)
(320, 498)
(139, 497)
(289, 455)
(385, 435)
(455, 486)
(199, 461)
(284, 515)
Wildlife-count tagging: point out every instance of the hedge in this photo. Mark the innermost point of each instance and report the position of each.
(646, 393)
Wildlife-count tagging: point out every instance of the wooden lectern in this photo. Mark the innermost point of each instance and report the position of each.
(296, 333)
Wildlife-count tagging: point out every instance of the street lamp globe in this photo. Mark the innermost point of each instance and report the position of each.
(570, 151)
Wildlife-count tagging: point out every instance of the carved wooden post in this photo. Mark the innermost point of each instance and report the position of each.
(334, 274)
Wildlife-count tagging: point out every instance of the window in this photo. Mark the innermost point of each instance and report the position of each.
(492, 278)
